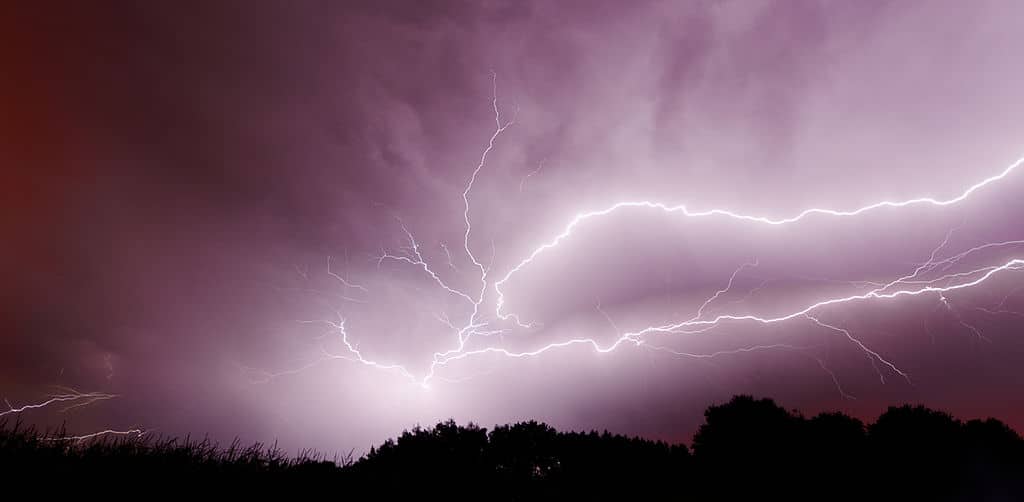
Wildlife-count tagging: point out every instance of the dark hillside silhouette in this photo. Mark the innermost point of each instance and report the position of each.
(747, 449)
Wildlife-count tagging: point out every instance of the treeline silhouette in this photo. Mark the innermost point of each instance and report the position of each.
(747, 448)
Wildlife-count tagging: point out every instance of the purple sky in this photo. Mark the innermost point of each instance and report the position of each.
(177, 176)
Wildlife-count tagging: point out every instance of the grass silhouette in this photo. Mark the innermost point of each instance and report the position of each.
(746, 448)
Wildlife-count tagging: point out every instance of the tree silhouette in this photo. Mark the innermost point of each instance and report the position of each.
(917, 451)
(447, 454)
(747, 449)
(524, 451)
(994, 460)
(834, 448)
(753, 440)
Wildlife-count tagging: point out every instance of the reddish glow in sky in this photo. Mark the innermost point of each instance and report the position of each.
(210, 213)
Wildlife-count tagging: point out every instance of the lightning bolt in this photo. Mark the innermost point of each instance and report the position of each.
(106, 432)
(758, 348)
(918, 282)
(448, 255)
(999, 309)
(581, 218)
(341, 279)
(522, 182)
(71, 399)
(414, 257)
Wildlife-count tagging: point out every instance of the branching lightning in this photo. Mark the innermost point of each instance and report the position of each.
(341, 279)
(69, 399)
(931, 277)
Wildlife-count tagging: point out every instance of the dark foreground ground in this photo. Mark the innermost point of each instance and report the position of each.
(747, 449)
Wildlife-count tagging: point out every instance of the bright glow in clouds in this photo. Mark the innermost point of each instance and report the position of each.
(913, 284)
(600, 215)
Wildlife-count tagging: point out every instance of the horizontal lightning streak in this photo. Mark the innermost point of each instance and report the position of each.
(107, 432)
(582, 217)
(1015, 264)
(77, 398)
(911, 284)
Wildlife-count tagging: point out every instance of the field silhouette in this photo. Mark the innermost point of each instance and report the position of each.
(747, 449)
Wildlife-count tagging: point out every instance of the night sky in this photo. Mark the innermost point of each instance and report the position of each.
(250, 218)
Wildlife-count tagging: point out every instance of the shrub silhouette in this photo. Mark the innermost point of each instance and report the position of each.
(746, 431)
(525, 451)
(835, 456)
(529, 460)
(993, 460)
(446, 455)
(747, 448)
(917, 450)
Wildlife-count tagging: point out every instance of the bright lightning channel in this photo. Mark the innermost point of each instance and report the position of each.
(907, 285)
(70, 399)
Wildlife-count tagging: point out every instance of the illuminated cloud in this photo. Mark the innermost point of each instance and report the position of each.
(326, 223)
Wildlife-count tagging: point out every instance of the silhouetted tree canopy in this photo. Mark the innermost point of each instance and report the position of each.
(746, 449)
